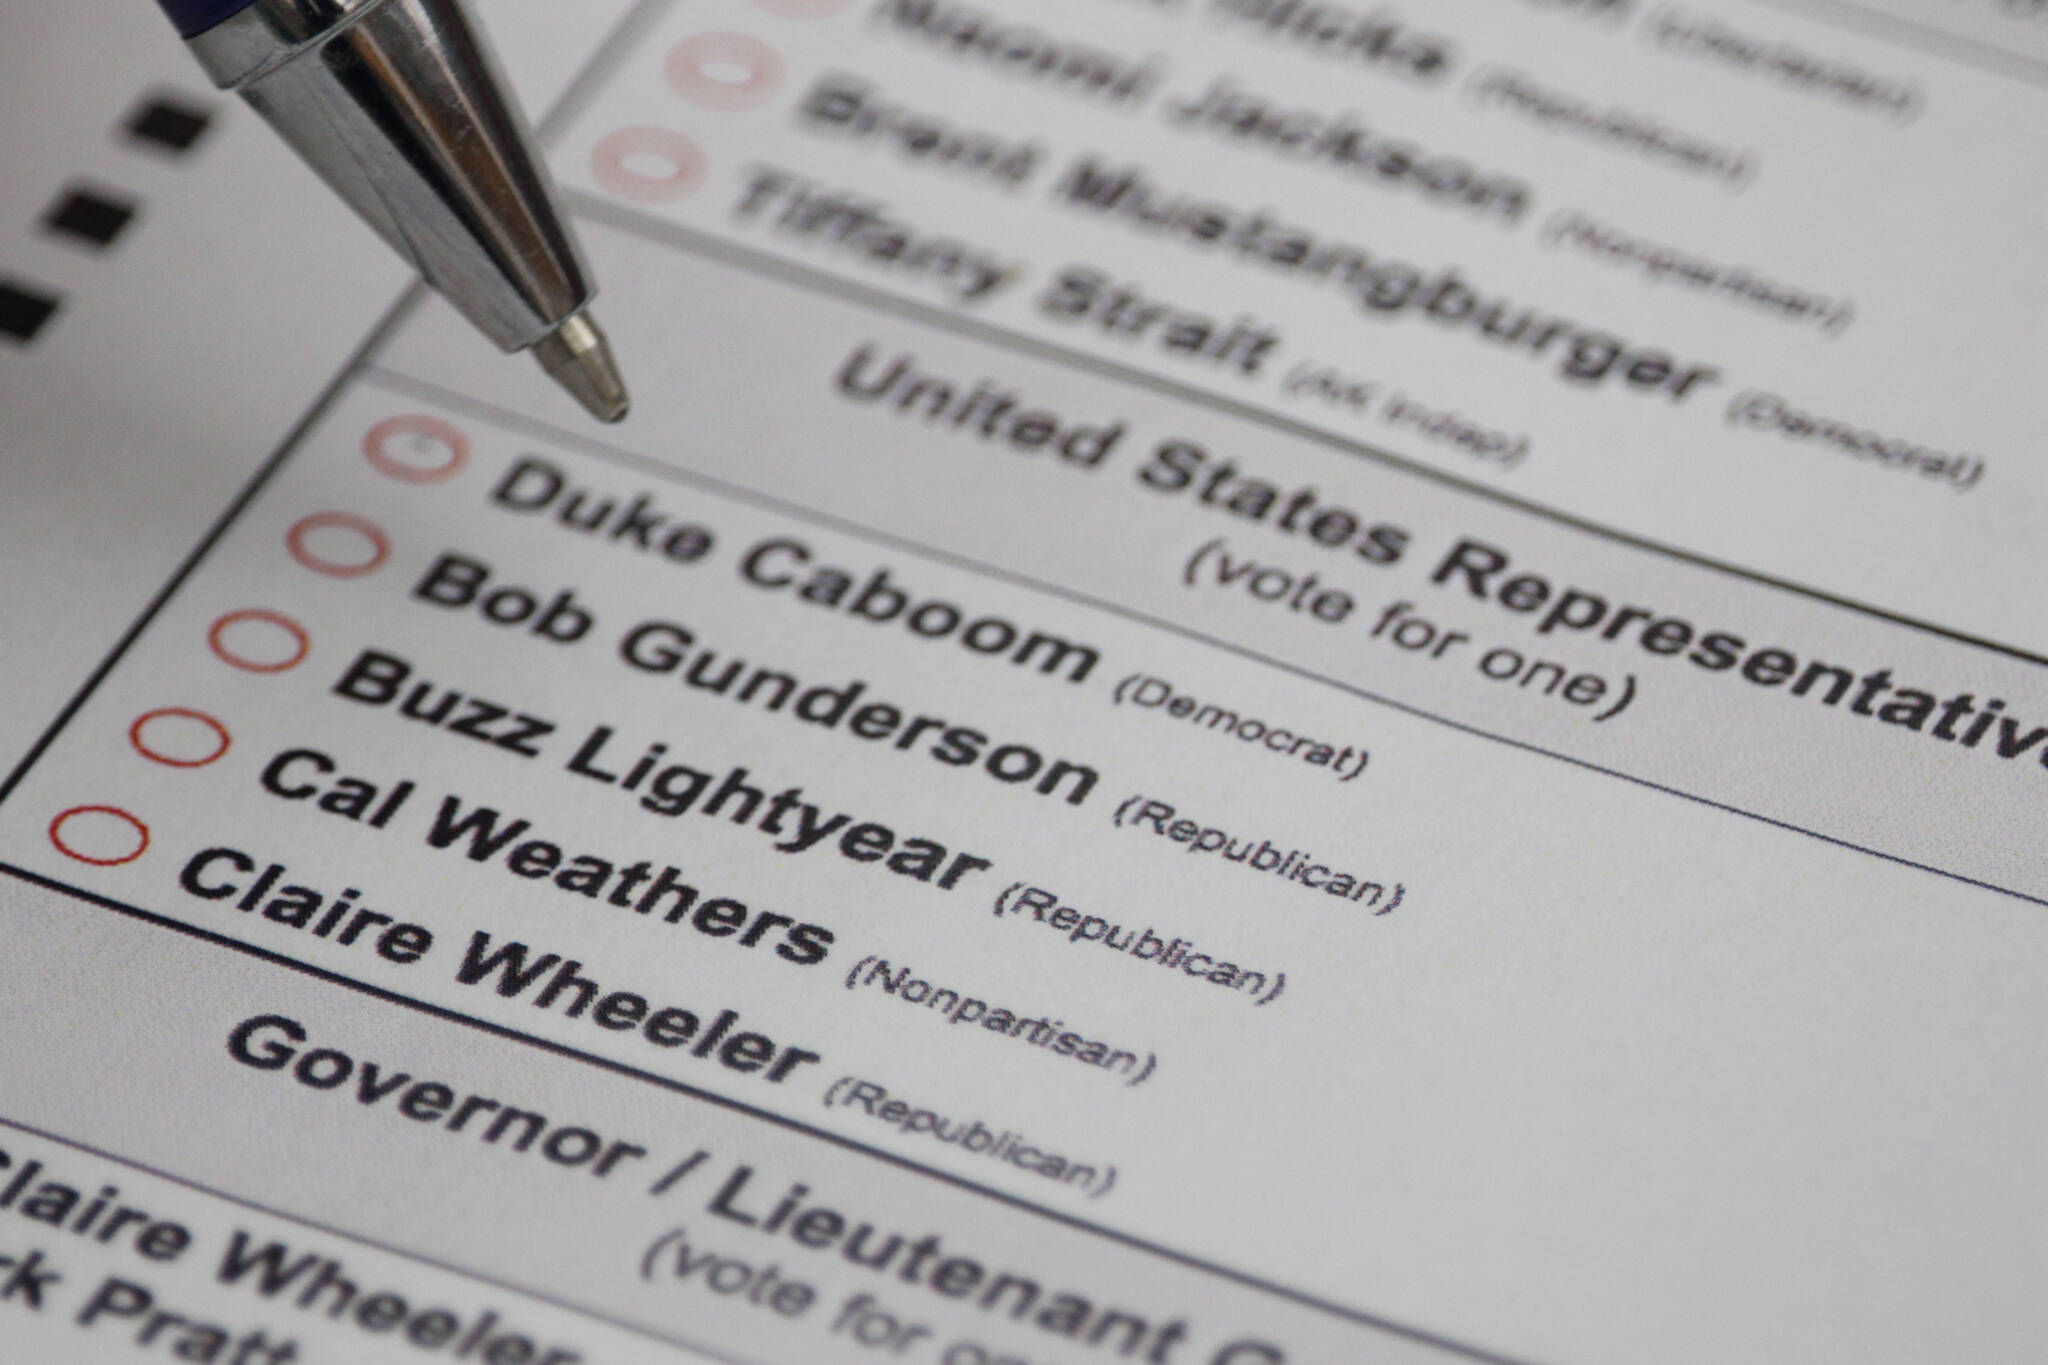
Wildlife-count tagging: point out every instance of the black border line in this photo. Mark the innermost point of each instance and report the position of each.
(426, 391)
(789, 272)
(492, 1281)
(628, 1071)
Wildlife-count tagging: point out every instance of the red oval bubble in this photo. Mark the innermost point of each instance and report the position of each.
(216, 638)
(384, 444)
(610, 162)
(313, 542)
(724, 70)
(108, 817)
(138, 735)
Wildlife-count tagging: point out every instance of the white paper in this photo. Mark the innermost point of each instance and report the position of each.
(1257, 682)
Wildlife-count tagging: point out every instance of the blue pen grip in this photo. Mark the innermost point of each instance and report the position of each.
(194, 17)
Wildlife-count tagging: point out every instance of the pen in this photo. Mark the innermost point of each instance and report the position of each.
(400, 107)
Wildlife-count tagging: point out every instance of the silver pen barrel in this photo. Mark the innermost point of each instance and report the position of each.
(400, 106)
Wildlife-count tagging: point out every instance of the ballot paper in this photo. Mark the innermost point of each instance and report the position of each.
(1260, 682)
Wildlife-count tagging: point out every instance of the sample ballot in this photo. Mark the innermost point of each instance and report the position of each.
(1257, 683)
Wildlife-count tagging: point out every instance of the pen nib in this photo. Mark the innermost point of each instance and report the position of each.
(577, 357)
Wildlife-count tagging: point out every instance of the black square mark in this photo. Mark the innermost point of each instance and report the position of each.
(91, 217)
(171, 124)
(23, 311)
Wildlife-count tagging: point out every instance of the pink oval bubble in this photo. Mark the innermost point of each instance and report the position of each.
(652, 165)
(105, 836)
(724, 70)
(179, 737)
(338, 544)
(416, 448)
(259, 641)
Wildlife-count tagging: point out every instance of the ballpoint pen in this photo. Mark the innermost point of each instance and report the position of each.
(400, 107)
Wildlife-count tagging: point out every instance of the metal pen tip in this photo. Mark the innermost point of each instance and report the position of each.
(577, 357)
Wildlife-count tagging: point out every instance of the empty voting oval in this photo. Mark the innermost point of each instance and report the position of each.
(179, 737)
(651, 165)
(259, 641)
(415, 448)
(724, 70)
(105, 836)
(338, 544)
